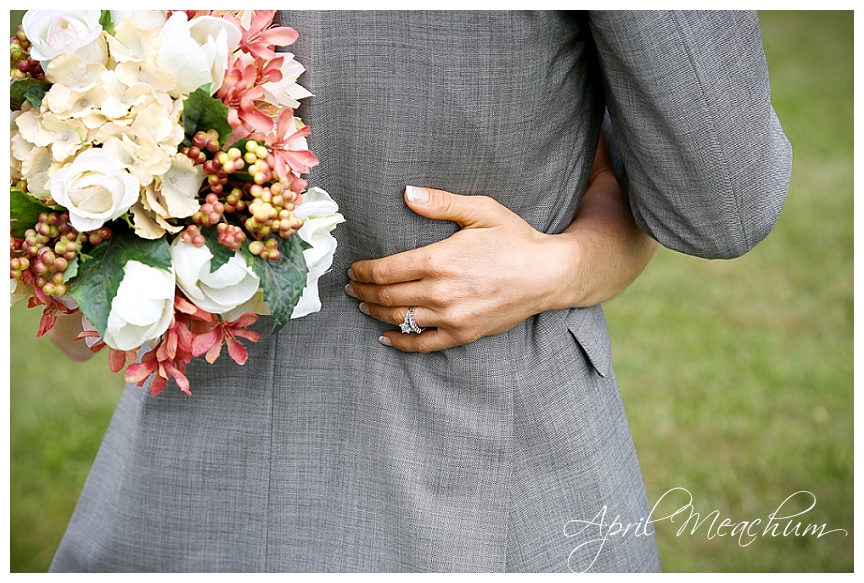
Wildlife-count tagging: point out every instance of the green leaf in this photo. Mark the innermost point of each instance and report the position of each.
(23, 212)
(99, 277)
(71, 269)
(30, 89)
(106, 22)
(221, 253)
(282, 279)
(202, 112)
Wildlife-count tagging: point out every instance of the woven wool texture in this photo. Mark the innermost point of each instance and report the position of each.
(330, 452)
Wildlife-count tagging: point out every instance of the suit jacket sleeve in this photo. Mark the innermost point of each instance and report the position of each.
(706, 162)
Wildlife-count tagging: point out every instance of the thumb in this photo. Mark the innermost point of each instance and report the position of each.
(466, 211)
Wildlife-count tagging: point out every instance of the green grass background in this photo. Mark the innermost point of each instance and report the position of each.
(737, 375)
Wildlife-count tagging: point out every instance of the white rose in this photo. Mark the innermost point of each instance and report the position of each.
(196, 51)
(217, 292)
(255, 305)
(143, 308)
(64, 32)
(320, 217)
(94, 188)
(146, 19)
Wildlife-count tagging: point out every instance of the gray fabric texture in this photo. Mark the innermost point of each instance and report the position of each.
(330, 452)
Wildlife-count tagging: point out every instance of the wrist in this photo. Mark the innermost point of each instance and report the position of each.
(562, 262)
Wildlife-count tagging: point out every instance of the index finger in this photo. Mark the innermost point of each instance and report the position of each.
(399, 268)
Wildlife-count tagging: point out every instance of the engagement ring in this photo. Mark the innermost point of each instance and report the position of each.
(409, 324)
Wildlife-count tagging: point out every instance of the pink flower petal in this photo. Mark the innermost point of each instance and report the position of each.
(116, 360)
(139, 372)
(250, 335)
(280, 36)
(214, 351)
(204, 342)
(236, 350)
(245, 320)
(158, 385)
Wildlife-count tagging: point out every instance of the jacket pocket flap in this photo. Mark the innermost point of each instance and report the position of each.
(588, 327)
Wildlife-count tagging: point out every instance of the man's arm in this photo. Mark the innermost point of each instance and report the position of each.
(707, 163)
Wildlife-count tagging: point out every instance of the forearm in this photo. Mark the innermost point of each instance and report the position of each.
(604, 250)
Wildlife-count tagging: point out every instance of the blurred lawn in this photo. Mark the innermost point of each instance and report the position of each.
(737, 375)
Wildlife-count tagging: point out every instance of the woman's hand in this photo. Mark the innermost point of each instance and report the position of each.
(497, 270)
(484, 279)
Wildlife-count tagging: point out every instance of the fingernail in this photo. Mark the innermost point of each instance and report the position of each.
(351, 274)
(350, 291)
(417, 195)
(364, 308)
(385, 341)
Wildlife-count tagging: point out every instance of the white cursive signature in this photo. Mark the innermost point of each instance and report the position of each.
(599, 529)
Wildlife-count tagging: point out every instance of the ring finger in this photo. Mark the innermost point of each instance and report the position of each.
(424, 317)
(393, 295)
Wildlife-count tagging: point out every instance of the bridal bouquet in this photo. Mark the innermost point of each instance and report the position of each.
(156, 185)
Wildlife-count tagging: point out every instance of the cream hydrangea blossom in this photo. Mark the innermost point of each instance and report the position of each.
(37, 166)
(16, 157)
(174, 195)
(137, 123)
(122, 98)
(63, 136)
(83, 105)
(71, 71)
(134, 48)
(147, 224)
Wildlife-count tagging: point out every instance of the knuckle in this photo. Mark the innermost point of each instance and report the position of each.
(441, 294)
(456, 315)
(379, 272)
(360, 270)
(449, 319)
(484, 201)
(446, 202)
(434, 265)
(485, 204)
(384, 296)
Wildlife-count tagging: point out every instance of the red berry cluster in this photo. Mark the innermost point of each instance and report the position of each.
(192, 234)
(243, 197)
(43, 255)
(21, 64)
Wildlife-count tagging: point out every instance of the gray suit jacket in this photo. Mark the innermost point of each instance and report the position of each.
(330, 452)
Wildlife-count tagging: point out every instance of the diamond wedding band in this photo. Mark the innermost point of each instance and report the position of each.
(409, 325)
